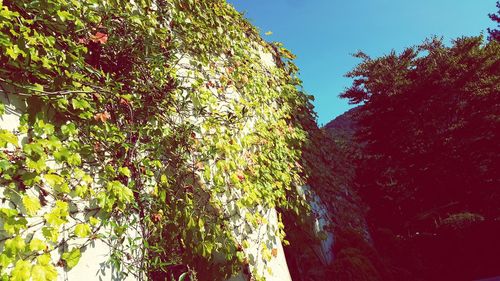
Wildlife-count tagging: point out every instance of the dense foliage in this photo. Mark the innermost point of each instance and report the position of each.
(495, 33)
(141, 116)
(430, 123)
(428, 126)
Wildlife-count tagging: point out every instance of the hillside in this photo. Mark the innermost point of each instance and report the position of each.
(345, 124)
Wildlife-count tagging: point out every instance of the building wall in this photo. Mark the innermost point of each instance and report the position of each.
(93, 262)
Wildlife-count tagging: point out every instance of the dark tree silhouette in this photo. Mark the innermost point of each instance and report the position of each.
(495, 33)
(430, 129)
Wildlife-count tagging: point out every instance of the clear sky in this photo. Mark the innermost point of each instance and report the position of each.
(323, 34)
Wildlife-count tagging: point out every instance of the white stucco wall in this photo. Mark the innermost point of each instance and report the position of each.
(93, 262)
(266, 233)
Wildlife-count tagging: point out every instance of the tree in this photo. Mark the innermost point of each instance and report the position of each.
(495, 33)
(430, 124)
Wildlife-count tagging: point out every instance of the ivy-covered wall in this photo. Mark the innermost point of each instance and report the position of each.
(167, 129)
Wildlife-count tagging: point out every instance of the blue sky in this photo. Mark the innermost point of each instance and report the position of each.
(323, 34)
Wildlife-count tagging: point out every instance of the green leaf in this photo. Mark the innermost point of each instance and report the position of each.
(37, 245)
(64, 15)
(120, 191)
(53, 180)
(69, 129)
(88, 179)
(191, 223)
(44, 259)
(33, 149)
(14, 51)
(41, 127)
(8, 213)
(4, 261)
(105, 201)
(22, 271)
(183, 276)
(31, 204)
(58, 215)
(53, 143)
(81, 191)
(44, 273)
(72, 258)
(15, 245)
(163, 179)
(4, 161)
(79, 103)
(35, 87)
(7, 137)
(44, 270)
(50, 233)
(64, 154)
(245, 244)
(14, 225)
(39, 165)
(94, 221)
(57, 183)
(124, 171)
(82, 230)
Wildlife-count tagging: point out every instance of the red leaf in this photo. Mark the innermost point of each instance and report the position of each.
(123, 101)
(156, 217)
(99, 37)
(102, 116)
(274, 252)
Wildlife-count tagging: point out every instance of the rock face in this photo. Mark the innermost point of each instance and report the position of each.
(329, 156)
(346, 150)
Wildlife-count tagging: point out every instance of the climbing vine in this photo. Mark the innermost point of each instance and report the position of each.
(149, 125)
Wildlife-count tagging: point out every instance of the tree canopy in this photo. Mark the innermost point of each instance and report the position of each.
(430, 124)
(429, 128)
(495, 33)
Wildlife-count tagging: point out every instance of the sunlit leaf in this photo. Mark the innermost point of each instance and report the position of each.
(21, 271)
(82, 230)
(31, 204)
(72, 258)
(37, 245)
